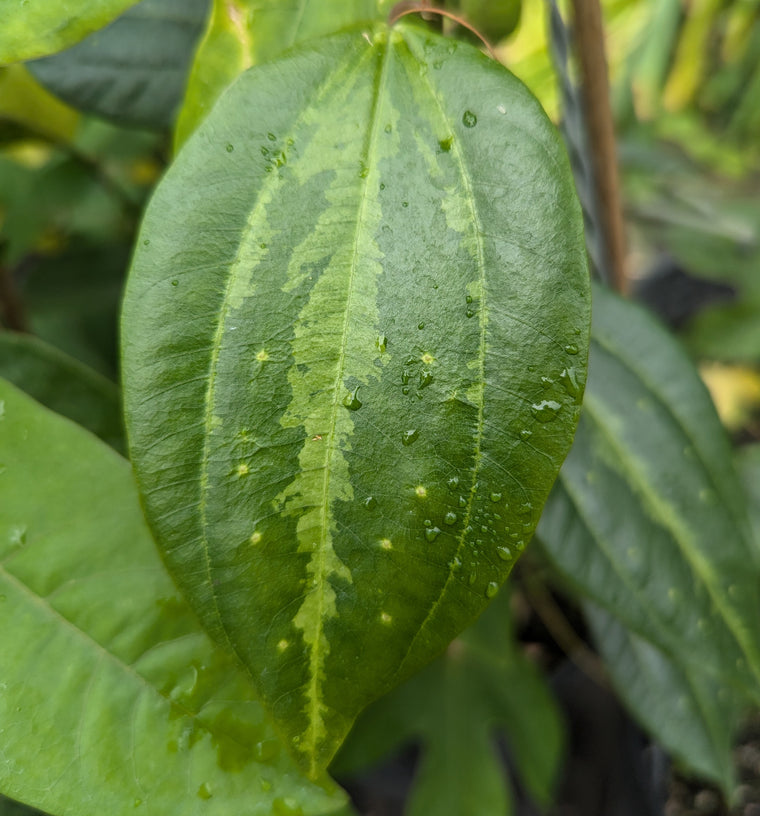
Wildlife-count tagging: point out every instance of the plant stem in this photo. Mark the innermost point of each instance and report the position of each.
(589, 37)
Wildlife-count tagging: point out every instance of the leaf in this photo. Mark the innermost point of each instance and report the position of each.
(114, 701)
(33, 29)
(748, 466)
(354, 344)
(685, 710)
(135, 69)
(647, 518)
(63, 384)
(242, 33)
(481, 688)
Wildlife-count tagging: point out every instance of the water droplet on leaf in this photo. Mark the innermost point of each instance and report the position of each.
(495, 497)
(230, 148)
(410, 436)
(450, 518)
(571, 348)
(370, 503)
(504, 553)
(432, 533)
(351, 400)
(469, 119)
(546, 410)
(492, 589)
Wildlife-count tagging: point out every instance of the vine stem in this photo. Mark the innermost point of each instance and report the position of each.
(421, 7)
(589, 36)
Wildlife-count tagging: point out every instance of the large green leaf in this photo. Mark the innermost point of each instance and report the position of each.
(685, 710)
(242, 33)
(748, 465)
(33, 29)
(483, 687)
(354, 344)
(63, 384)
(135, 69)
(113, 699)
(647, 518)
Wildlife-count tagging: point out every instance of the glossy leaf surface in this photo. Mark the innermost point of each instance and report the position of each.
(32, 29)
(647, 518)
(481, 690)
(135, 69)
(63, 384)
(114, 700)
(242, 33)
(354, 351)
(685, 710)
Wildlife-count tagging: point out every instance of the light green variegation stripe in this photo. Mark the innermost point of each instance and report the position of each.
(360, 431)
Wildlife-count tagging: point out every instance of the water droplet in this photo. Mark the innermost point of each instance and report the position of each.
(271, 137)
(404, 203)
(262, 246)
(388, 128)
(264, 150)
(501, 108)
(472, 577)
(469, 313)
(405, 389)
(420, 326)
(137, 803)
(546, 410)
(437, 65)
(462, 501)
(17, 536)
(468, 299)
(571, 348)
(428, 523)
(370, 503)
(230, 148)
(410, 437)
(382, 342)
(469, 119)
(426, 377)
(504, 553)
(492, 589)
(525, 433)
(455, 564)
(146, 242)
(495, 497)
(483, 528)
(175, 282)
(432, 533)
(450, 518)
(445, 144)
(351, 400)
(453, 483)
(382, 185)
(569, 380)
(363, 170)
(286, 806)
(204, 791)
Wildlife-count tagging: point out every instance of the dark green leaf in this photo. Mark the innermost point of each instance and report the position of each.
(354, 351)
(242, 33)
(748, 466)
(114, 701)
(63, 384)
(456, 707)
(32, 29)
(135, 69)
(686, 711)
(647, 518)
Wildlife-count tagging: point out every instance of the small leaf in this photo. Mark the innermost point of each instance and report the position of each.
(63, 384)
(114, 701)
(242, 33)
(405, 188)
(647, 518)
(135, 69)
(686, 711)
(33, 29)
(481, 688)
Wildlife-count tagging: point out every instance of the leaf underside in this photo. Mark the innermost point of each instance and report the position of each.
(354, 342)
(113, 698)
(647, 520)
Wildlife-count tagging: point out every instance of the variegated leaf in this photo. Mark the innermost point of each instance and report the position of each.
(355, 338)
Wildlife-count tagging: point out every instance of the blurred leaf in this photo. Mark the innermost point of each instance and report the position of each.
(33, 29)
(113, 697)
(25, 101)
(135, 69)
(63, 384)
(481, 688)
(494, 19)
(748, 465)
(686, 711)
(735, 390)
(242, 33)
(647, 518)
(8, 807)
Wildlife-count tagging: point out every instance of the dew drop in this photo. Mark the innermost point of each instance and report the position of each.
(271, 137)
(525, 433)
(571, 348)
(450, 518)
(453, 483)
(17, 536)
(462, 501)
(230, 148)
(495, 497)
(525, 509)
(445, 144)
(370, 503)
(492, 589)
(146, 242)
(469, 313)
(286, 806)
(388, 128)
(405, 389)
(469, 119)
(410, 437)
(204, 791)
(382, 342)
(569, 380)
(175, 282)
(426, 377)
(432, 533)
(351, 400)
(504, 553)
(468, 299)
(420, 326)
(472, 578)
(546, 410)
(404, 203)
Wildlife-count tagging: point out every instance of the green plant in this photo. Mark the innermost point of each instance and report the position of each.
(353, 355)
